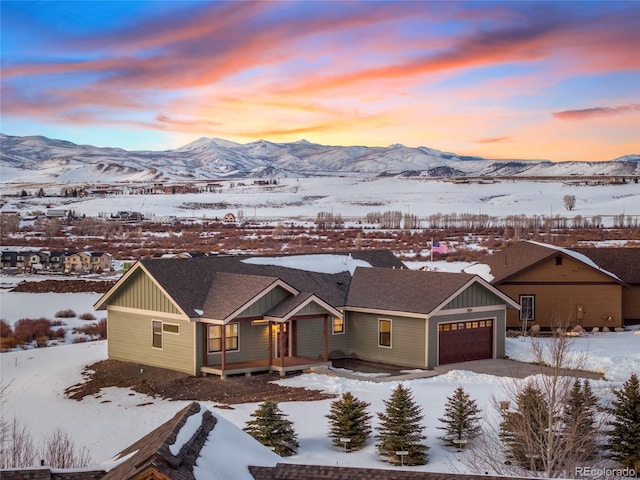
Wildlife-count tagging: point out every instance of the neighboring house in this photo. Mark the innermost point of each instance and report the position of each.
(9, 259)
(228, 315)
(87, 261)
(557, 286)
(625, 264)
(229, 218)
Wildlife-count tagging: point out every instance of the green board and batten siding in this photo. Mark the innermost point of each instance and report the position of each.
(407, 339)
(265, 303)
(475, 295)
(131, 340)
(143, 294)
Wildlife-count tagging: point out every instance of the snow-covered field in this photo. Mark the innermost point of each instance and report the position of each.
(303, 198)
(118, 417)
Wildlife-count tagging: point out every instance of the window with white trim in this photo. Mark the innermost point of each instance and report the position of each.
(231, 337)
(337, 325)
(384, 332)
(156, 327)
(528, 307)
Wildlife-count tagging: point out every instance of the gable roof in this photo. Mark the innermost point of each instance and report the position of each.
(526, 254)
(395, 290)
(231, 292)
(153, 452)
(623, 262)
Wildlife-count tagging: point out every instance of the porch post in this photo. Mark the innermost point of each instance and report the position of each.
(269, 325)
(224, 349)
(281, 352)
(205, 344)
(325, 342)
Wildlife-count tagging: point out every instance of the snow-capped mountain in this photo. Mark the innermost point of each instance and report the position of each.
(40, 159)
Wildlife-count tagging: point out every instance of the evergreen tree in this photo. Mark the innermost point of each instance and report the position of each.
(400, 429)
(270, 427)
(579, 418)
(348, 418)
(522, 431)
(624, 435)
(461, 417)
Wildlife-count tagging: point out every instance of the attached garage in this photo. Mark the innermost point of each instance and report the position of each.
(465, 341)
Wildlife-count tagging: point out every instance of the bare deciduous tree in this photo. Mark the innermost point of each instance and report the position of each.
(59, 451)
(569, 202)
(534, 433)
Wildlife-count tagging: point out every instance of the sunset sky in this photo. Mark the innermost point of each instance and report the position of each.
(535, 80)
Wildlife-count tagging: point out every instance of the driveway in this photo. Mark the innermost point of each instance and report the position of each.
(496, 366)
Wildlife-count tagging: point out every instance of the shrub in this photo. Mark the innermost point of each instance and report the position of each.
(7, 343)
(59, 333)
(68, 313)
(5, 329)
(94, 330)
(87, 316)
(26, 330)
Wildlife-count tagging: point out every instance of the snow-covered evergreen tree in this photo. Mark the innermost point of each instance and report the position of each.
(624, 435)
(401, 429)
(270, 427)
(461, 417)
(348, 418)
(579, 418)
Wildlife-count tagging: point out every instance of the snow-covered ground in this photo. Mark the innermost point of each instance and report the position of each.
(303, 198)
(116, 417)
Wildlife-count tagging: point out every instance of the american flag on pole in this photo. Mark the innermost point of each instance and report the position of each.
(438, 247)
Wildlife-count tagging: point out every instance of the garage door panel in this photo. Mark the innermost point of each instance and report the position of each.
(465, 341)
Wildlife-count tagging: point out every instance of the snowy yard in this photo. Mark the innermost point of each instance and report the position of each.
(117, 417)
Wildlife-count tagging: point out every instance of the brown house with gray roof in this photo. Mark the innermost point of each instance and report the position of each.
(593, 288)
(228, 315)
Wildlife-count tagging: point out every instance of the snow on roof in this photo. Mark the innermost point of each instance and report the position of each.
(578, 256)
(229, 451)
(323, 263)
(187, 431)
(481, 269)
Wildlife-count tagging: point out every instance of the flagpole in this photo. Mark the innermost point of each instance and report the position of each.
(432, 251)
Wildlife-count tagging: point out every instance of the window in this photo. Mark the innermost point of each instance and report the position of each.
(215, 337)
(171, 328)
(157, 334)
(384, 333)
(528, 304)
(558, 260)
(338, 325)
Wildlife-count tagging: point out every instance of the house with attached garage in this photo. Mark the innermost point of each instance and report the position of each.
(229, 315)
(593, 288)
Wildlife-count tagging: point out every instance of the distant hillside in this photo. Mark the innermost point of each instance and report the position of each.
(40, 159)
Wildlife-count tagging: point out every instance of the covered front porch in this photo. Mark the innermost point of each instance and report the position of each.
(282, 353)
(280, 365)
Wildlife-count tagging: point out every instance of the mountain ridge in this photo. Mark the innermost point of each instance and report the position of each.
(41, 159)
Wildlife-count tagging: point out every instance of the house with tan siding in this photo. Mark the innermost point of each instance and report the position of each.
(230, 315)
(555, 286)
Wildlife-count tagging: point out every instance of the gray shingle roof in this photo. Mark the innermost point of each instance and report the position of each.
(516, 257)
(229, 291)
(199, 274)
(288, 471)
(152, 451)
(623, 262)
(403, 290)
